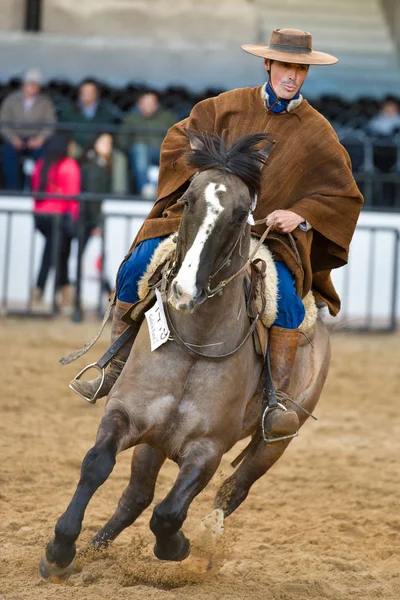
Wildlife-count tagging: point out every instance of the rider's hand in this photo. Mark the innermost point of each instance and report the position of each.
(284, 221)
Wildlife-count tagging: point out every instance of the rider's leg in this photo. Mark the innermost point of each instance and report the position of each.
(128, 277)
(283, 342)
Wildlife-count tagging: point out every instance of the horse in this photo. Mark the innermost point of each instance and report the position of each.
(192, 401)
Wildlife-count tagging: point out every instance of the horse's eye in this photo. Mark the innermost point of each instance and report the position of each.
(239, 215)
(187, 200)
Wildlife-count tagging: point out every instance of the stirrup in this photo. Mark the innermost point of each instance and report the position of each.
(268, 439)
(77, 378)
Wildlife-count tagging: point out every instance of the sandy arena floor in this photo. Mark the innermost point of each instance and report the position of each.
(323, 524)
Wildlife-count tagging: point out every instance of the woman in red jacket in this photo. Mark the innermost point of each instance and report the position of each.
(56, 173)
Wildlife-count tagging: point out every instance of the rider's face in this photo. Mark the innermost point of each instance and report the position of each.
(286, 78)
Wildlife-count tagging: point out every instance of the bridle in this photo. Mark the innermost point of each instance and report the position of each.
(222, 284)
(210, 293)
(169, 273)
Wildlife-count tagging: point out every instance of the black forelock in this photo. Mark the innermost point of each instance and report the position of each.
(245, 158)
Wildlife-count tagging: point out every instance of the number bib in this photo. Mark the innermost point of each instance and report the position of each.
(157, 323)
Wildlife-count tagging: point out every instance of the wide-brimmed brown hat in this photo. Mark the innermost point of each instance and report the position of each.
(291, 45)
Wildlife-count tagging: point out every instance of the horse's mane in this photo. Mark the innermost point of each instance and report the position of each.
(245, 158)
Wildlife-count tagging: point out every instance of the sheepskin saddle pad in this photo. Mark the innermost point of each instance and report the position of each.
(166, 250)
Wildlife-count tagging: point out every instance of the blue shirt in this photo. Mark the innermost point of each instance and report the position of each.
(281, 105)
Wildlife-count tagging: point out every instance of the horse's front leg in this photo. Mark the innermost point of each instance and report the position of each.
(146, 464)
(58, 561)
(201, 460)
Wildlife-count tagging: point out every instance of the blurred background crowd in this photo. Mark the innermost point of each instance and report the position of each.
(116, 132)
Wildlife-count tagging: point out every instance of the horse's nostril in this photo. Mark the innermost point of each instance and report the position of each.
(176, 290)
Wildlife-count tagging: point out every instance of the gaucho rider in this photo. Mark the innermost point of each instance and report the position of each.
(307, 190)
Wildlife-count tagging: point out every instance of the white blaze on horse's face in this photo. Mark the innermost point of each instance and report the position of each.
(185, 281)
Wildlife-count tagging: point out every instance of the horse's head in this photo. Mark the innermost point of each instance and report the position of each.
(217, 203)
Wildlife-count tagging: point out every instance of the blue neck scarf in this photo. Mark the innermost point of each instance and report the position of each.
(282, 104)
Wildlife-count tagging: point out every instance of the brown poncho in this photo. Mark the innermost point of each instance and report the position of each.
(308, 172)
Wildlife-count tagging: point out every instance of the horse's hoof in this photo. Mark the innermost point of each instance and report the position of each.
(54, 574)
(177, 548)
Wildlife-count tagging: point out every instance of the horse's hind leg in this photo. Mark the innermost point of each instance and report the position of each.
(57, 563)
(146, 464)
(235, 489)
(200, 462)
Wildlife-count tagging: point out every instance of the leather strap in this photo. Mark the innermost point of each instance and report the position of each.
(257, 271)
(114, 348)
(269, 395)
(66, 360)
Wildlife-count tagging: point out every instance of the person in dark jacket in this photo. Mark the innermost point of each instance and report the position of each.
(91, 115)
(88, 110)
(95, 163)
(143, 146)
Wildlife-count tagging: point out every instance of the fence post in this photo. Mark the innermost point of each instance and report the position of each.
(77, 314)
(393, 320)
(7, 254)
(100, 307)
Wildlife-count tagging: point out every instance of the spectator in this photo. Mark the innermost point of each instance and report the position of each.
(143, 147)
(387, 121)
(32, 109)
(88, 110)
(96, 178)
(56, 173)
(384, 126)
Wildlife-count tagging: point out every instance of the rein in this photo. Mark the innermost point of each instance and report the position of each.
(258, 273)
(167, 272)
(228, 257)
(189, 347)
(222, 284)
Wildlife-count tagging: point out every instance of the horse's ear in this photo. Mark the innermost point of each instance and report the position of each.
(266, 146)
(195, 139)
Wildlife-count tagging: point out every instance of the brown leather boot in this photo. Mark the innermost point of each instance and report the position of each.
(283, 347)
(88, 389)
